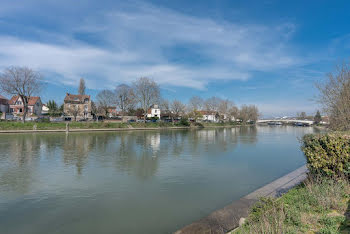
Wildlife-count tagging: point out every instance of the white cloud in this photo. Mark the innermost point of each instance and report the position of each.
(131, 42)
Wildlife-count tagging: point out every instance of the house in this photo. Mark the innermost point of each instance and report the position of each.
(4, 104)
(112, 111)
(77, 106)
(44, 109)
(17, 107)
(153, 112)
(226, 118)
(210, 116)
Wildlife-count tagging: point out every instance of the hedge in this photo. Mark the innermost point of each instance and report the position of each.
(327, 154)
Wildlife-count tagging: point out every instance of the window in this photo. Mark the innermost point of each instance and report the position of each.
(155, 111)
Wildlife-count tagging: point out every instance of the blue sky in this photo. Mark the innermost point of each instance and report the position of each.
(268, 53)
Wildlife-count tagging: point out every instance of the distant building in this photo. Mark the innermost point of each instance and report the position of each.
(17, 107)
(325, 120)
(226, 118)
(153, 112)
(4, 104)
(210, 116)
(79, 105)
(44, 109)
(112, 111)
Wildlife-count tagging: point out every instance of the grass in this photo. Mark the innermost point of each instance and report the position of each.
(12, 125)
(319, 205)
(9, 125)
(209, 124)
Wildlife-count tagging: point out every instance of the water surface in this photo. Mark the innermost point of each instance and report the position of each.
(135, 181)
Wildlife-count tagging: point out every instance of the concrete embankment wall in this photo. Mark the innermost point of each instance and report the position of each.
(227, 218)
(88, 130)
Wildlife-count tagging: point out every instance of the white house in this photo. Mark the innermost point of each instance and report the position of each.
(210, 116)
(44, 109)
(228, 118)
(153, 112)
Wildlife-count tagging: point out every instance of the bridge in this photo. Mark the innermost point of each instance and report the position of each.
(286, 121)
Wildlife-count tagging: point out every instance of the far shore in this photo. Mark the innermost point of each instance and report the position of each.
(33, 127)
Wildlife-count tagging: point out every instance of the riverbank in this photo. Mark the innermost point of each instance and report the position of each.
(318, 205)
(321, 204)
(18, 127)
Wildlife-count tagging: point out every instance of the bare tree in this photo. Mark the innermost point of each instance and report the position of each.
(195, 104)
(244, 113)
(233, 112)
(164, 107)
(301, 115)
(253, 113)
(146, 93)
(212, 104)
(94, 110)
(177, 108)
(124, 98)
(248, 113)
(335, 97)
(81, 89)
(224, 107)
(74, 110)
(97, 111)
(23, 82)
(105, 99)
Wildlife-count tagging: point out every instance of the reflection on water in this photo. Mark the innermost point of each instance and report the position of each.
(147, 180)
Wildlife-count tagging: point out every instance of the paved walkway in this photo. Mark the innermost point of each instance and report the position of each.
(227, 218)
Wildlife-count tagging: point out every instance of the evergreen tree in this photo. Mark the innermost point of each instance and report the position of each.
(82, 87)
(52, 105)
(317, 117)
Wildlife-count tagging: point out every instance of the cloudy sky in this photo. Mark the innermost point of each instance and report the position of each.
(268, 53)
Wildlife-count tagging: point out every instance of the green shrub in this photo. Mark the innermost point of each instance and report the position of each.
(184, 122)
(197, 124)
(327, 154)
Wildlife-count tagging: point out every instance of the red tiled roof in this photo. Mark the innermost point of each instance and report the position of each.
(207, 112)
(31, 102)
(13, 100)
(74, 97)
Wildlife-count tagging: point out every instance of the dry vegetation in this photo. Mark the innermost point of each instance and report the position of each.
(335, 97)
(319, 205)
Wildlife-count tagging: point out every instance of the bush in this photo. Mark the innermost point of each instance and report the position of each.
(184, 122)
(327, 154)
(199, 125)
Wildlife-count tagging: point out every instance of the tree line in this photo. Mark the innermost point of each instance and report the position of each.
(134, 99)
(144, 92)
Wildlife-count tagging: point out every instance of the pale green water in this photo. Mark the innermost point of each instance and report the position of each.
(135, 182)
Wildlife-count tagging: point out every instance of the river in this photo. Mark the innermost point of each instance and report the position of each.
(136, 181)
